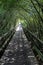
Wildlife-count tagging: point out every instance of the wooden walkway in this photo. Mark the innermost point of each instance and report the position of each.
(19, 51)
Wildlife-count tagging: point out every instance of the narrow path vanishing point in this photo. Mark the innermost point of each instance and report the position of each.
(19, 51)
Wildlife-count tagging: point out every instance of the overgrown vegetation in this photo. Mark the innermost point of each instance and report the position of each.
(30, 10)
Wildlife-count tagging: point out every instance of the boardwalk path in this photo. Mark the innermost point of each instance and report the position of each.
(19, 51)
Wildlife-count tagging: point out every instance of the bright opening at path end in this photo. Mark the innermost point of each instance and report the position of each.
(19, 26)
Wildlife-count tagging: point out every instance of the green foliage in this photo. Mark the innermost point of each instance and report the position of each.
(32, 14)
